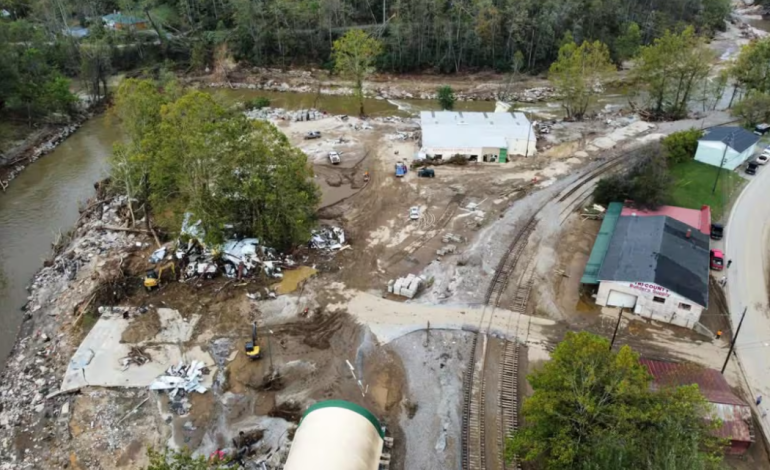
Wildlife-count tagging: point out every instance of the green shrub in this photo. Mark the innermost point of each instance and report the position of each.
(680, 146)
(258, 103)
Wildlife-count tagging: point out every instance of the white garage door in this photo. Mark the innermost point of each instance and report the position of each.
(621, 299)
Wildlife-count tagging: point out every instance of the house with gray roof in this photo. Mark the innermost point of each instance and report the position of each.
(727, 147)
(489, 137)
(658, 268)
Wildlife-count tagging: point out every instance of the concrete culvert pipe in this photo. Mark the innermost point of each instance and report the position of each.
(336, 435)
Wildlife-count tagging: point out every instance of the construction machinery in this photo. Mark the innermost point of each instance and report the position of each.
(253, 351)
(154, 276)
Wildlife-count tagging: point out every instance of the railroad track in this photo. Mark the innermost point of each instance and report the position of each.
(474, 436)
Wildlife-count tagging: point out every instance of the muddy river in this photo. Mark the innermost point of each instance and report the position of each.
(44, 198)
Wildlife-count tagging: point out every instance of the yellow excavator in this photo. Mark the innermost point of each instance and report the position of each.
(153, 277)
(252, 347)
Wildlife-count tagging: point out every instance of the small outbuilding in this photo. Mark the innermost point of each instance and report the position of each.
(734, 413)
(727, 147)
(336, 435)
(122, 22)
(489, 137)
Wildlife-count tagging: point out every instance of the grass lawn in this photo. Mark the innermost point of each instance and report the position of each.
(694, 182)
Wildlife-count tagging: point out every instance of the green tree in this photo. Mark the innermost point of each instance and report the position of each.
(95, 68)
(752, 67)
(753, 109)
(593, 409)
(180, 460)
(446, 97)
(628, 44)
(40, 89)
(681, 146)
(194, 155)
(648, 183)
(579, 74)
(669, 71)
(354, 55)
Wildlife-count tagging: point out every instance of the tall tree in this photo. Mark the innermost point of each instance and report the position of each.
(579, 73)
(95, 68)
(753, 109)
(751, 69)
(628, 43)
(354, 55)
(592, 409)
(670, 71)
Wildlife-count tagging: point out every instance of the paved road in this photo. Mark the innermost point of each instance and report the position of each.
(746, 245)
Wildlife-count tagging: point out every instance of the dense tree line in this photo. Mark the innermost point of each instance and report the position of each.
(440, 35)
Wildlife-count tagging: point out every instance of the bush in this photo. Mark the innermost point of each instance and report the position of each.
(648, 184)
(681, 146)
(258, 103)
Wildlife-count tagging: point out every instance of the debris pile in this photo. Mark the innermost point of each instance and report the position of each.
(594, 212)
(407, 286)
(450, 237)
(327, 238)
(136, 356)
(446, 250)
(281, 114)
(181, 380)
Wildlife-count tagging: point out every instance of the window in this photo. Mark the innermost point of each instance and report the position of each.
(660, 300)
(684, 306)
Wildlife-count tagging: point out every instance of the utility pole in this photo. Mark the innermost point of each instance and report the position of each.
(735, 338)
(617, 325)
(724, 154)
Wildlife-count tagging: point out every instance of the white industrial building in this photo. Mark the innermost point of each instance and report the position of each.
(489, 137)
(658, 268)
(336, 435)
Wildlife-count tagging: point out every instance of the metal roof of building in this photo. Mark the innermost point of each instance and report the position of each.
(602, 243)
(448, 129)
(657, 249)
(734, 412)
(698, 219)
(737, 138)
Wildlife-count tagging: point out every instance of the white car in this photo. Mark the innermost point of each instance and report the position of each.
(414, 213)
(334, 157)
(763, 158)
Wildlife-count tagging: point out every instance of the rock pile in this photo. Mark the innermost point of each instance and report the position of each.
(311, 114)
(39, 151)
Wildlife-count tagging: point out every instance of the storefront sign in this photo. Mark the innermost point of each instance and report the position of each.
(650, 288)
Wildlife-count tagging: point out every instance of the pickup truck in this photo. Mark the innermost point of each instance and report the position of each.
(334, 158)
(312, 135)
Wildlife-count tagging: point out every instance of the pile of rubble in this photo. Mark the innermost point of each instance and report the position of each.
(327, 238)
(407, 286)
(281, 114)
(181, 380)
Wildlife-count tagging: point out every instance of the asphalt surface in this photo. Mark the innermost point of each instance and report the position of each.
(747, 287)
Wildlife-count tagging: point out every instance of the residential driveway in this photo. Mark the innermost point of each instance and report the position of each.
(746, 245)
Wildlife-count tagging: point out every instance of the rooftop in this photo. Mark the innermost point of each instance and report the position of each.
(447, 129)
(734, 412)
(120, 18)
(697, 219)
(657, 249)
(737, 138)
(602, 243)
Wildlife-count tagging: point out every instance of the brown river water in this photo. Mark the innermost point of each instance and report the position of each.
(44, 198)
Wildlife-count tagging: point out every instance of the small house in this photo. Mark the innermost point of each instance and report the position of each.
(121, 22)
(726, 147)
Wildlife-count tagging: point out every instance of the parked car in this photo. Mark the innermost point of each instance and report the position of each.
(717, 260)
(717, 231)
(414, 213)
(334, 157)
(426, 173)
(312, 135)
(751, 168)
(761, 129)
(763, 158)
